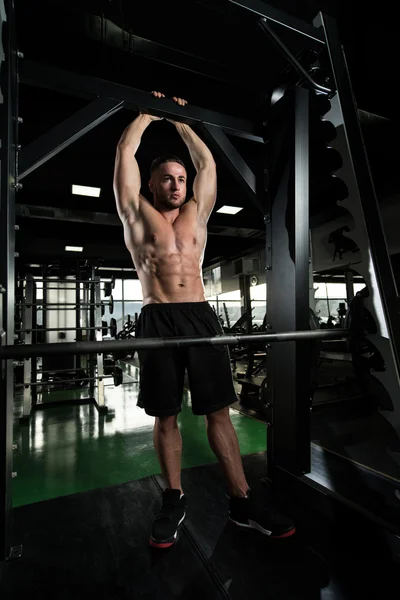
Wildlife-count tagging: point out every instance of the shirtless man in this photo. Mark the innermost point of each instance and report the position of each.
(166, 240)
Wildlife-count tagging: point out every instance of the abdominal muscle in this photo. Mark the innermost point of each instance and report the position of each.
(170, 276)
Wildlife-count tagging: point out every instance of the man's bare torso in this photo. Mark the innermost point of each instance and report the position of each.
(168, 257)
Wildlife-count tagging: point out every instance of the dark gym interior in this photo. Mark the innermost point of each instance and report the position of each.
(313, 246)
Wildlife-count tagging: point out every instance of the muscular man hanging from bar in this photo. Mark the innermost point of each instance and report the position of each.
(166, 239)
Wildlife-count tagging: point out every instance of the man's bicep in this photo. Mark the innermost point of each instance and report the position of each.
(126, 181)
(205, 190)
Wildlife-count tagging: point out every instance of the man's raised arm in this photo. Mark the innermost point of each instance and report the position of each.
(205, 182)
(126, 171)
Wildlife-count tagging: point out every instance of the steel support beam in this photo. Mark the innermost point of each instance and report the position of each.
(84, 86)
(288, 365)
(8, 133)
(232, 159)
(249, 228)
(292, 59)
(101, 29)
(54, 213)
(61, 136)
(278, 16)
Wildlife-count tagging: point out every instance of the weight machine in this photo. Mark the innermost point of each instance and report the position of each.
(43, 374)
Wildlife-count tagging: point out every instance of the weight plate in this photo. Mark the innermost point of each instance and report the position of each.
(111, 305)
(103, 310)
(105, 328)
(112, 281)
(113, 327)
(107, 288)
(118, 376)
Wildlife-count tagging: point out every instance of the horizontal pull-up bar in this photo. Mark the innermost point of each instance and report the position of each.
(93, 347)
(85, 86)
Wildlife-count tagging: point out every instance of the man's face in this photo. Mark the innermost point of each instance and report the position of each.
(168, 185)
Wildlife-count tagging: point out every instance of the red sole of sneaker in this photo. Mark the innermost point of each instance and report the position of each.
(284, 535)
(165, 545)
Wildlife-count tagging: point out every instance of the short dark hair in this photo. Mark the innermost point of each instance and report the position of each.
(160, 160)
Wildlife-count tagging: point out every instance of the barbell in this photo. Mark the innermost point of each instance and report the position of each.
(62, 305)
(104, 327)
(117, 376)
(105, 347)
(89, 281)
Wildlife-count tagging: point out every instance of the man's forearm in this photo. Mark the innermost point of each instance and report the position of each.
(132, 135)
(200, 154)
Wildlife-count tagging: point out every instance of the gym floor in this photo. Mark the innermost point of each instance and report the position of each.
(96, 541)
(71, 448)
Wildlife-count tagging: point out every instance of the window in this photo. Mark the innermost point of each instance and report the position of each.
(328, 297)
(232, 311)
(259, 292)
(117, 291)
(131, 308)
(132, 289)
(258, 312)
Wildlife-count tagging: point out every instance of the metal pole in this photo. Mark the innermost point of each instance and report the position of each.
(92, 337)
(8, 133)
(99, 336)
(77, 314)
(36, 329)
(349, 278)
(123, 299)
(301, 444)
(106, 347)
(288, 390)
(27, 320)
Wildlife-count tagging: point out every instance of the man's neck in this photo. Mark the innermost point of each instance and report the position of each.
(169, 215)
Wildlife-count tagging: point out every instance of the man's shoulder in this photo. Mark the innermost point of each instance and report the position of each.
(189, 205)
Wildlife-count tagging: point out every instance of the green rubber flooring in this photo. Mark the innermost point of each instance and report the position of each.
(72, 448)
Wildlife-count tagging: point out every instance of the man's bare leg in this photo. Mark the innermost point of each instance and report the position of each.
(224, 443)
(168, 444)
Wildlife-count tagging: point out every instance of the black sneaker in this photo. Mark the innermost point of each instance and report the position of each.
(166, 523)
(244, 513)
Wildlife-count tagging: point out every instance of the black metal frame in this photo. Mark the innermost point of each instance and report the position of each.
(9, 124)
(52, 78)
(288, 391)
(292, 59)
(103, 30)
(277, 16)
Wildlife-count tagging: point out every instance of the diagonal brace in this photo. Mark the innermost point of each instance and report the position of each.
(233, 160)
(59, 137)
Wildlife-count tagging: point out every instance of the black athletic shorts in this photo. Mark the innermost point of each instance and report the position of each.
(162, 371)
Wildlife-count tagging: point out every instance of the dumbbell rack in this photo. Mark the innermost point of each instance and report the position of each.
(93, 364)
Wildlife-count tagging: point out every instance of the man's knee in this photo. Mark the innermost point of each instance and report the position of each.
(219, 416)
(167, 423)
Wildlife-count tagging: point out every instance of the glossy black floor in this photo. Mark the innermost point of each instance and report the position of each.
(96, 544)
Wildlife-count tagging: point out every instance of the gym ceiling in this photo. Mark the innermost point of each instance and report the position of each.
(225, 65)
